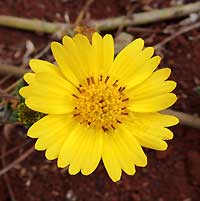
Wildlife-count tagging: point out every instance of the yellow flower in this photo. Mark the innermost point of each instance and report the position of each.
(99, 107)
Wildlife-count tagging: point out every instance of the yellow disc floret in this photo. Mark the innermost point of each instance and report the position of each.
(100, 104)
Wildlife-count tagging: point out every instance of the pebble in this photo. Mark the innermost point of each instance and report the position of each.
(70, 196)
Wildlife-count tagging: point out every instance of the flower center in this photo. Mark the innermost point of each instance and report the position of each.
(100, 104)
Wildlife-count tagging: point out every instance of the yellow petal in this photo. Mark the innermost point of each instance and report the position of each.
(155, 119)
(50, 124)
(66, 62)
(88, 153)
(149, 132)
(159, 132)
(141, 59)
(97, 53)
(158, 76)
(53, 150)
(71, 146)
(108, 54)
(48, 139)
(79, 156)
(24, 91)
(45, 105)
(50, 96)
(92, 153)
(84, 51)
(144, 71)
(132, 65)
(122, 154)
(149, 91)
(39, 66)
(123, 64)
(153, 104)
(102, 54)
(167, 134)
(78, 52)
(154, 85)
(52, 131)
(110, 160)
(129, 143)
(150, 141)
(29, 78)
(56, 85)
(36, 90)
(47, 71)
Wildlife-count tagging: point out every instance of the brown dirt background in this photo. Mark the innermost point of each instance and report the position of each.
(173, 175)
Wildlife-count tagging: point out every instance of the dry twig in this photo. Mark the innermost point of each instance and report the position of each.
(82, 12)
(43, 52)
(13, 150)
(34, 25)
(6, 177)
(17, 161)
(185, 119)
(180, 32)
(102, 25)
(146, 17)
(12, 70)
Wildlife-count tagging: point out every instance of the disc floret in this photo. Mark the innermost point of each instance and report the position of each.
(100, 104)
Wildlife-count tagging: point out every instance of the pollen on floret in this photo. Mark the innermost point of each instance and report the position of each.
(100, 104)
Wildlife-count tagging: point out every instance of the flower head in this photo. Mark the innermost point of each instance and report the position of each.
(98, 107)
